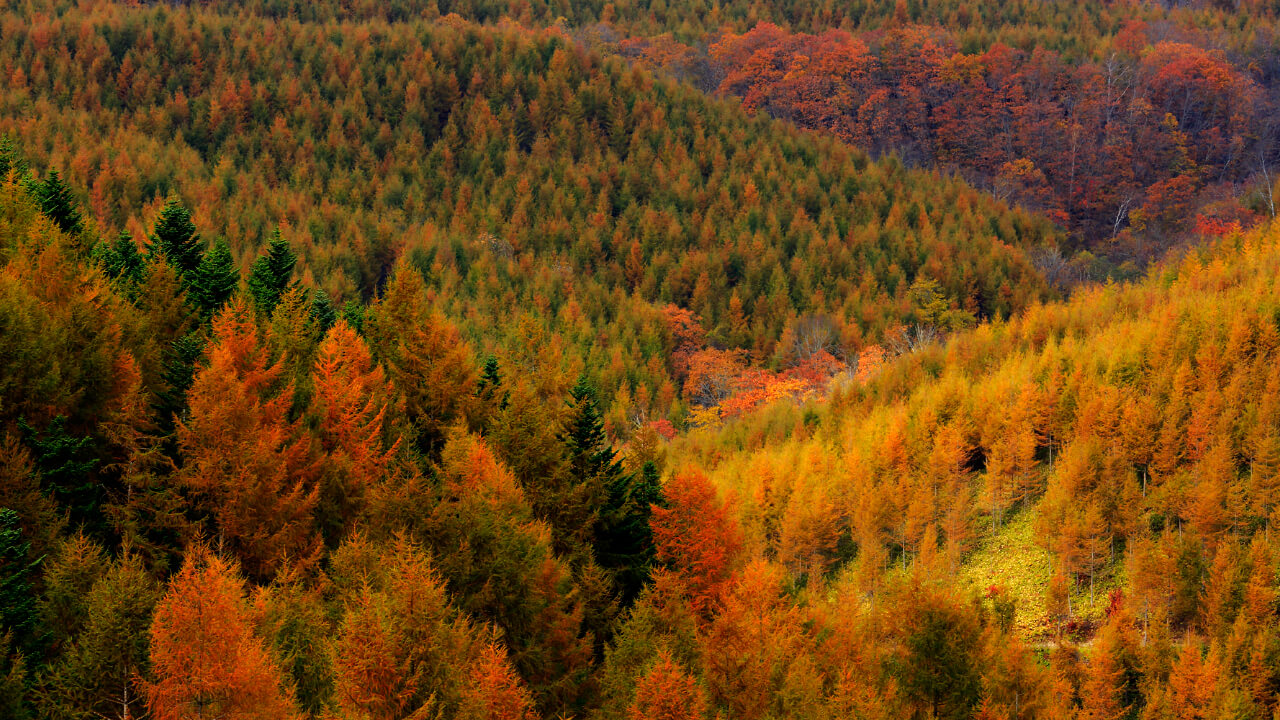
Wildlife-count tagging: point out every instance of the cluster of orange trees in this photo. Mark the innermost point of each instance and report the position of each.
(425, 358)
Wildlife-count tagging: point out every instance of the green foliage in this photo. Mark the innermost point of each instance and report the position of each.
(174, 239)
(322, 311)
(58, 203)
(271, 274)
(19, 617)
(939, 666)
(625, 540)
(121, 261)
(178, 373)
(99, 673)
(213, 281)
(10, 158)
(66, 464)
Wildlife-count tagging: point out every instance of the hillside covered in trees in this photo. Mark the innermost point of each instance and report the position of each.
(755, 360)
(513, 170)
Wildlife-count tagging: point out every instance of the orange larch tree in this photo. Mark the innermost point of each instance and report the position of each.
(206, 661)
(251, 469)
(697, 534)
(667, 692)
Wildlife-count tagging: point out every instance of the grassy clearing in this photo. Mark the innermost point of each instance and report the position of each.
(1010, 556)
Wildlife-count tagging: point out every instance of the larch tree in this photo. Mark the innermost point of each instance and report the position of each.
(667, 692)
(426, 359)
(401, 647)
(207, 664)
(251, 469)
(493, 690)
(350, 400)
(697, 536)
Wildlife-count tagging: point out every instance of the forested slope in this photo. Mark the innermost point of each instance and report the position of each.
(1135, 428)
(516, 170)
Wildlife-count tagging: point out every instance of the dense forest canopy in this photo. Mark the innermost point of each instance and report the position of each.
(514, 170)
(557, 359)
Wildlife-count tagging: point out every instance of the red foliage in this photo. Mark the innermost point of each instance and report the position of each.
(205, 659)
(697, 534)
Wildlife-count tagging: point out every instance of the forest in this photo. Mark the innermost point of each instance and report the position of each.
(506, 360)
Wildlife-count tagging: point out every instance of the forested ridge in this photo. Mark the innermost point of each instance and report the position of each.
(514, 170)
(766, 359)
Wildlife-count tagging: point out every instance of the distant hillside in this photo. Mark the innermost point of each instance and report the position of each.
(524, 176)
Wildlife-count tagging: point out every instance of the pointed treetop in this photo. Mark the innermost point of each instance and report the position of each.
(174, 237)
(214, 280)
(271, 273)
(58, 204)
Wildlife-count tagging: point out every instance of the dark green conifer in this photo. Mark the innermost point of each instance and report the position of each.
(179, 372)
(271, 273)
(322, 311)
(10, 158)
(214, 280)
(174, 238)
(353, 313)
(121, 261)
(19, 616)
(625, 542)
(66, 468)
(58, 204)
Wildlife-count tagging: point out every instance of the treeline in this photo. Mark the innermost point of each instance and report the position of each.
(551, 197)
(1154, 137)
(1070, 27)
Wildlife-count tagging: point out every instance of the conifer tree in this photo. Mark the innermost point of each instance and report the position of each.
(174, 238)
(213, 281)
(179, 367)
(99, 674)
(121, 261)
(10, 158)
(206, 660)
(66, 467)
(19, 619)
(625, 542)
(426, 359)
(322, 311)
(251, 469)
(270, 275)
(58, 204)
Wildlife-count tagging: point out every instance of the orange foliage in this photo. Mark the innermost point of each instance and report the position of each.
(698, 536)
(205, 658)
(667, 692)
(253, 470)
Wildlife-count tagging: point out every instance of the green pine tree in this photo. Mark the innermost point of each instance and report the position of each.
(10, 158)
(179, 372)
(591, 458)
(18, 613)
(214, 280)
(322, 310)
(174, 238)
(271, 273)
(625, 541)
(66, 470)
(353, 313)
(121, 261)
(58, 204)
